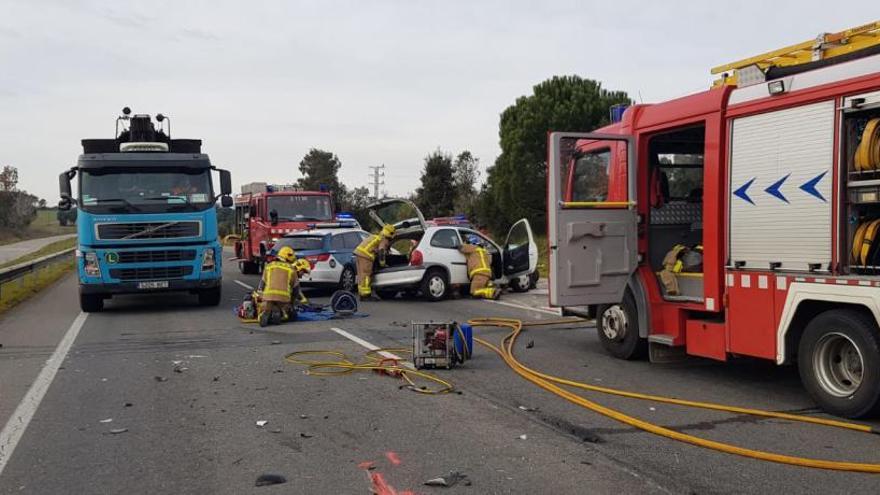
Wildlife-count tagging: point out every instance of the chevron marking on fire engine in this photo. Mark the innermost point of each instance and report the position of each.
(809, 187)
(773, 189)
(742, 192)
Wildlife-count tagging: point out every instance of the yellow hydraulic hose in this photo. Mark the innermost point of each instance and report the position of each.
(868, 152)
(340, 364)
(548, 382)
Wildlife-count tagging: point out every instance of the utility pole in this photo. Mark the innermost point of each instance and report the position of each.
(376, 175)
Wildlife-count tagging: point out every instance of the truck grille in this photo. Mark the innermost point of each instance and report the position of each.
(151, 273)
(149, 230)
(157, 256)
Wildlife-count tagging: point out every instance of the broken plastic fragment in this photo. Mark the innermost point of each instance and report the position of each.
(261, 423)
(108, 420)
(449, 480)
(523, 437)
(267, 479)
(117, 431)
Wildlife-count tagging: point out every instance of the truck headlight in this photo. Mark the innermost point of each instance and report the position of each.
(90, 265)
(208, 260)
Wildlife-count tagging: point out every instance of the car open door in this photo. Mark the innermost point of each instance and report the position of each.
(591, 217)
(403, 214)
(520, 253)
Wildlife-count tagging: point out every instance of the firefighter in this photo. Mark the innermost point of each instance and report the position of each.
(302, 267)
(365, 253)
(680, 259)
(479, 268)
(279, 282)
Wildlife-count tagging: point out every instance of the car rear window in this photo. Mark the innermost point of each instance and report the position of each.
(338, 242)
(302, 243)
(445, 238)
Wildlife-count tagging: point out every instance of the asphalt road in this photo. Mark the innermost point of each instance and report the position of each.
(194, 430)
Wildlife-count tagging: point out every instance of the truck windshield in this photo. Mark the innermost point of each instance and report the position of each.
(136, 190)
(300, 207)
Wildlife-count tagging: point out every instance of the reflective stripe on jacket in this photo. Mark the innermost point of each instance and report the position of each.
(370, 246)
(279, 278)
(478, 260)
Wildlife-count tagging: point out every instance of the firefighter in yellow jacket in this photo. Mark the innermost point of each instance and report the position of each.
(479, 269)
(279, 282)
(365, 255)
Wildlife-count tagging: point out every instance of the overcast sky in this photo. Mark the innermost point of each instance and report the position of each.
(374, 82)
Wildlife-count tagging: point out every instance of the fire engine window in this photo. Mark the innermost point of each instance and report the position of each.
(590, 177)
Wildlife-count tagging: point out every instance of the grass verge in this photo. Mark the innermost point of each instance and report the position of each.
(16, 291)
(44, 251)
(543, 260)
(45, 225)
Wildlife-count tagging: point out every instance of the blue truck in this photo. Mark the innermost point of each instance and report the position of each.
(146, 217)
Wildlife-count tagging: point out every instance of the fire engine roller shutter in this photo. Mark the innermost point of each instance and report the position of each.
(780, 187)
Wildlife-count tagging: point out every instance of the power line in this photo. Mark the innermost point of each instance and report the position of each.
(375, 176)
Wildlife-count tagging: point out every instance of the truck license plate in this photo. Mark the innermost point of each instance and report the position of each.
(159, 284)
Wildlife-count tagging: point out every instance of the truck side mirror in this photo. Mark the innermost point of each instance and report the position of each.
(225, 183)
(225, 201)
(64, 188)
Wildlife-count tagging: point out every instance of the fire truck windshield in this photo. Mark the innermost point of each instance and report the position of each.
(294, 208)
(139, 190)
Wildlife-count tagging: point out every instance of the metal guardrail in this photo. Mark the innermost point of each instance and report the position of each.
(20, 270)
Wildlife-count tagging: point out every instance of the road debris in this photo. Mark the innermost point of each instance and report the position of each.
(276, 342)
(180, 369)
(528, 409)
(530, 344)
(261, 423)
(275, 430)
(160, 379)
(108, 420)
(303, 416)
(117, 431)
(306, 435)
(523, 437)
(450, 480)
(267, 479)
(128, 404)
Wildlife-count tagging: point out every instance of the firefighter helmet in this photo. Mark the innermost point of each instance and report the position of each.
(302, 265)
(287, 254)
(388, 231)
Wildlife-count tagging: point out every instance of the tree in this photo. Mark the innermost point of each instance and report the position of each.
(355, 201)
(515, 183)
(321, 169)
(465, 174)
(41, 204)
(8, 178)
(435, 197)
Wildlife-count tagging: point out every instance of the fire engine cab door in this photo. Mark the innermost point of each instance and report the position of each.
(591, 217)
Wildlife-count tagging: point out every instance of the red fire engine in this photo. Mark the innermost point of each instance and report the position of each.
(772, 178)
(263, 213)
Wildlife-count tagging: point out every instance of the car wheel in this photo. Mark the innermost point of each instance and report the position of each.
(519, 284)
(91, 303)
(618, 326)
(348, 279)
(839, 363)
(435, 285)
(533, 279)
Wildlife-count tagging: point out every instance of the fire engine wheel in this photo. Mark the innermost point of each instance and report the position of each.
(434, 285)
(348, 280)
(247, 267)
(618, 326)
(839, 363)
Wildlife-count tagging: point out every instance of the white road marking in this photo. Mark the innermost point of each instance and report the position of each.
(364, 343)
(26, 409)
(548, 311)
(246, 286)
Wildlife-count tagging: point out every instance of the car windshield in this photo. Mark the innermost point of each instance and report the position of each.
(301, 243)
(136, 190)
(301, 207)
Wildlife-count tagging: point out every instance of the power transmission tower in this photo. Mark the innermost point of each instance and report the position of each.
(377, 174)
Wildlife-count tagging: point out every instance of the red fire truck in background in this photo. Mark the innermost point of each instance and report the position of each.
(264, 213)
(772, 178)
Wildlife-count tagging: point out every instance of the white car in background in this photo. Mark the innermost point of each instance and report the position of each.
(427, 260)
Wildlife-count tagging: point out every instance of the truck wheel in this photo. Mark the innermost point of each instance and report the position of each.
(435, 285)
(839, 363)
(247, 267)
(618, 326)
(209, 297)
(91, 303)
